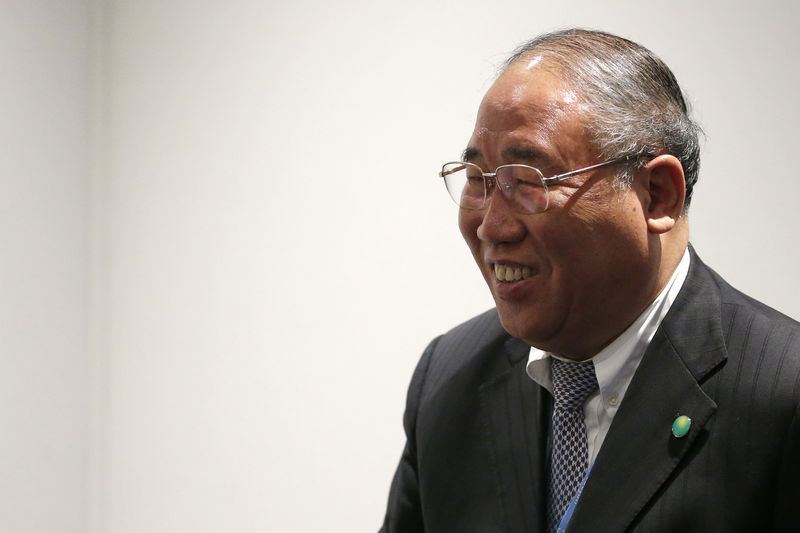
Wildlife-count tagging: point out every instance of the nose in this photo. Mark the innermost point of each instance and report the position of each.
(500, 223)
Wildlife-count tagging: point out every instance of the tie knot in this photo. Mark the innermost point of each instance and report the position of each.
(572, 383)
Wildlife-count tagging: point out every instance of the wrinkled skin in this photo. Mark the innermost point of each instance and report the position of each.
(595, 258)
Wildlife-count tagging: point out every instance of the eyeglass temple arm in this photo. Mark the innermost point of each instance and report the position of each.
(443, 174)
(559, 177)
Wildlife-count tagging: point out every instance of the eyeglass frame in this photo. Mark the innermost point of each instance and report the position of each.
(492, 178)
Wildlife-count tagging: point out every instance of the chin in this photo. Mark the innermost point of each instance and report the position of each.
(515, 325)
(528, 327)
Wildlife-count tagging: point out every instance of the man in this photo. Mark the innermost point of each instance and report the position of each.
(573, 194)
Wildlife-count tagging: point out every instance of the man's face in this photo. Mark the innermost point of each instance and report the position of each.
(590, 262)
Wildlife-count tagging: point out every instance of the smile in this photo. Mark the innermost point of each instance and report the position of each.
(508, 273)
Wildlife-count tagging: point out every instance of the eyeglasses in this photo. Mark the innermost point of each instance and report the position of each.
(523, 186)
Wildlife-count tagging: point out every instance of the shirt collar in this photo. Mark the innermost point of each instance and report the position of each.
(616, 363)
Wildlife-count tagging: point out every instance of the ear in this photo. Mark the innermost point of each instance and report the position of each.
(664, 182)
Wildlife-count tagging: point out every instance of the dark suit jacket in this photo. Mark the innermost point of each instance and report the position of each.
(476, 429)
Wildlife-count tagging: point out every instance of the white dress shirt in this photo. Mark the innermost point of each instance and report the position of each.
(615, 364)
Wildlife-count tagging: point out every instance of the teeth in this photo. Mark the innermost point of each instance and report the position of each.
(504, 273)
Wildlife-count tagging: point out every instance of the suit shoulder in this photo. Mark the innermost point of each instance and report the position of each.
(479, 329)
(764, 347)
(473, 350)
(464, 340)
(736, 303)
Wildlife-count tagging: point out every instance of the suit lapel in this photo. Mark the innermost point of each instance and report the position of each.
(515, 411)
(640, 454)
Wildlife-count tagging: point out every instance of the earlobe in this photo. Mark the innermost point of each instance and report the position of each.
(667, 191)
(660, 225)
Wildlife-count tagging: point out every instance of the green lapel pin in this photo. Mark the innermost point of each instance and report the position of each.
(681, 426)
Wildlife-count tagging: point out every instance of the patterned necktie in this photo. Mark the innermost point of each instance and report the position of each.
(572, 384)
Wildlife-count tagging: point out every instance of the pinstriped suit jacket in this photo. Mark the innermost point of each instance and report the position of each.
(474, 460)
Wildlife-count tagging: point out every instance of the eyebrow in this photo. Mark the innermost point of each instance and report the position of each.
(470, 154)
(514, 154)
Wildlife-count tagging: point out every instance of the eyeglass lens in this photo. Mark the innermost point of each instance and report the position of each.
(521, 185)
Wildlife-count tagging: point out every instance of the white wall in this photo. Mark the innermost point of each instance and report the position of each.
(270, 247)
(280, 250)
(44, 361)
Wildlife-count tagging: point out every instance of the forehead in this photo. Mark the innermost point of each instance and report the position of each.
(529, 108)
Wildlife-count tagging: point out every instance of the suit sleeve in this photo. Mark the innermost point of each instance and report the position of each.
(787, 495)
(404, 511)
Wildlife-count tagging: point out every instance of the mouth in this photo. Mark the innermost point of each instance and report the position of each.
(513, 273)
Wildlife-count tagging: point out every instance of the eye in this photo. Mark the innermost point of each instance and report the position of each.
(520, 178)
(528, 185)
(474, 177)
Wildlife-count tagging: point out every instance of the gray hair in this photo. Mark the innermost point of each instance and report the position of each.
(633, 103)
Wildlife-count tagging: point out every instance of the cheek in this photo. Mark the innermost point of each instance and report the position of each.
(604, 210)
(468, 223)
(586, 236)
